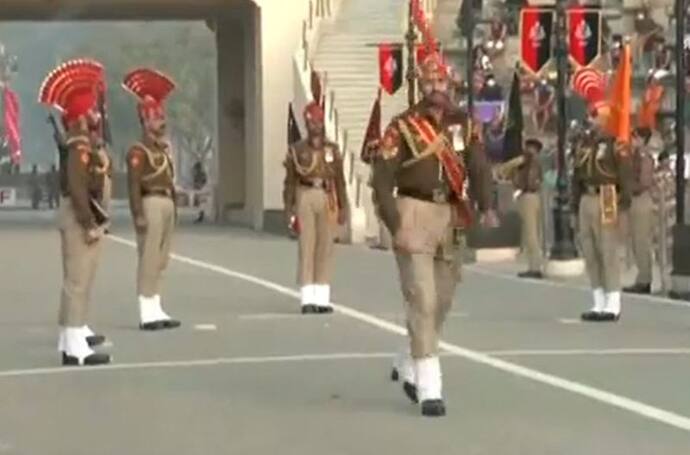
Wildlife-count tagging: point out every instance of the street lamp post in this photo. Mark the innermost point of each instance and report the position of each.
(563, 248)
(680, 275)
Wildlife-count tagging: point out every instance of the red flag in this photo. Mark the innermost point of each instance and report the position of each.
(536, 29)
(12, 126)
(316, 88)
(390, 67)
(584, 35)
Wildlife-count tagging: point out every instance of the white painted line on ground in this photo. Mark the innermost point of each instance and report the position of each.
(276, 316)
(298, 316)
(611, 399)
(569, 321)
(647, 299)
(587, 352)
(205, 327)
(199, 363)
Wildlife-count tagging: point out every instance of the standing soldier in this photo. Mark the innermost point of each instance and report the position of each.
(53, 186)
(73, 88)
(417, 156)
(315, 203)
(150, 178)
(601, 186)
(35, 188)
(527, 180)
(642, 211)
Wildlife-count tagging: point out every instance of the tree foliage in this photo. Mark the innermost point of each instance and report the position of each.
(184, 51)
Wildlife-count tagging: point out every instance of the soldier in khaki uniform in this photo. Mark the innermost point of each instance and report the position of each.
(150, 178)
(417, 156)
(527, 179)
(642, 211)
(601, 188)
(73, 88)
(315, 202)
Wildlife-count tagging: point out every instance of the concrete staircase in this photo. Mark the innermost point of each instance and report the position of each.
(346, 52)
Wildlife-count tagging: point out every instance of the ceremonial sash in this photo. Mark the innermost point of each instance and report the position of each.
(436, 144)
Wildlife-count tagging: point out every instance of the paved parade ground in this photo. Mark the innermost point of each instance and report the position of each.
(247, 375)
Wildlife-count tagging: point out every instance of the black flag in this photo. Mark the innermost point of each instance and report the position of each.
(512, 141)
(293, 133)
(373, 132)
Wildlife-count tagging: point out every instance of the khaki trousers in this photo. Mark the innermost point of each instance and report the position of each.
(599, 245)
(79, 264)
(641, 229)
(316, 237)
(428, 257)
(107, 192)
(529, 205)
(153, 244)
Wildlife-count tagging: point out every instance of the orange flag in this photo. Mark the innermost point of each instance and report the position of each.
(650, 105)
(620, 99)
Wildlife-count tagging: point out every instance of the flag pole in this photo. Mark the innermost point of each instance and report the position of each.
(410, 40)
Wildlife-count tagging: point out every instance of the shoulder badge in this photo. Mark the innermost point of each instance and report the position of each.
(135, 158)
(390, 144)
(329, 156)
(84, 155)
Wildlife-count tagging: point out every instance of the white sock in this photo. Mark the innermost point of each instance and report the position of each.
(147, 309)
(323, 295)
(307, 294)
(613, 303)
(405, 365)
(158, 310)
(75, 344)
(429, 382)
(599, 300)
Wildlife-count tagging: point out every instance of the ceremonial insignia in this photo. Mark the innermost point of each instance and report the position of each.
(134, 160)
(84, 155)
(390, 144)
(329, 155)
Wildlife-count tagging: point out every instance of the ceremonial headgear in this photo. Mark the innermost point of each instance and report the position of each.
(73, 88)
(313, 112)
(151, 88)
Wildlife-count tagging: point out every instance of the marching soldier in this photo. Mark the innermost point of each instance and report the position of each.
(527, 180)
(150, 178)
(315, 202)
(73, 87)
(417, 156)
(601, 187)
(642, 211)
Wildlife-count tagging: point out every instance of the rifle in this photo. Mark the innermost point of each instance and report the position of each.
(59, 137)
(105, 125)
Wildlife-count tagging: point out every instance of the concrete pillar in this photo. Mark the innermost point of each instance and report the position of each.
(232, 152)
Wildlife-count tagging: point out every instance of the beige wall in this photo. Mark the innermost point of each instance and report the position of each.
(281, 24)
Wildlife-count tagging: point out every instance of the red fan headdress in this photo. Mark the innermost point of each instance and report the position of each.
(313, 111)
(73, 88)
(433, 61)
(591, 85)
(151, 88)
